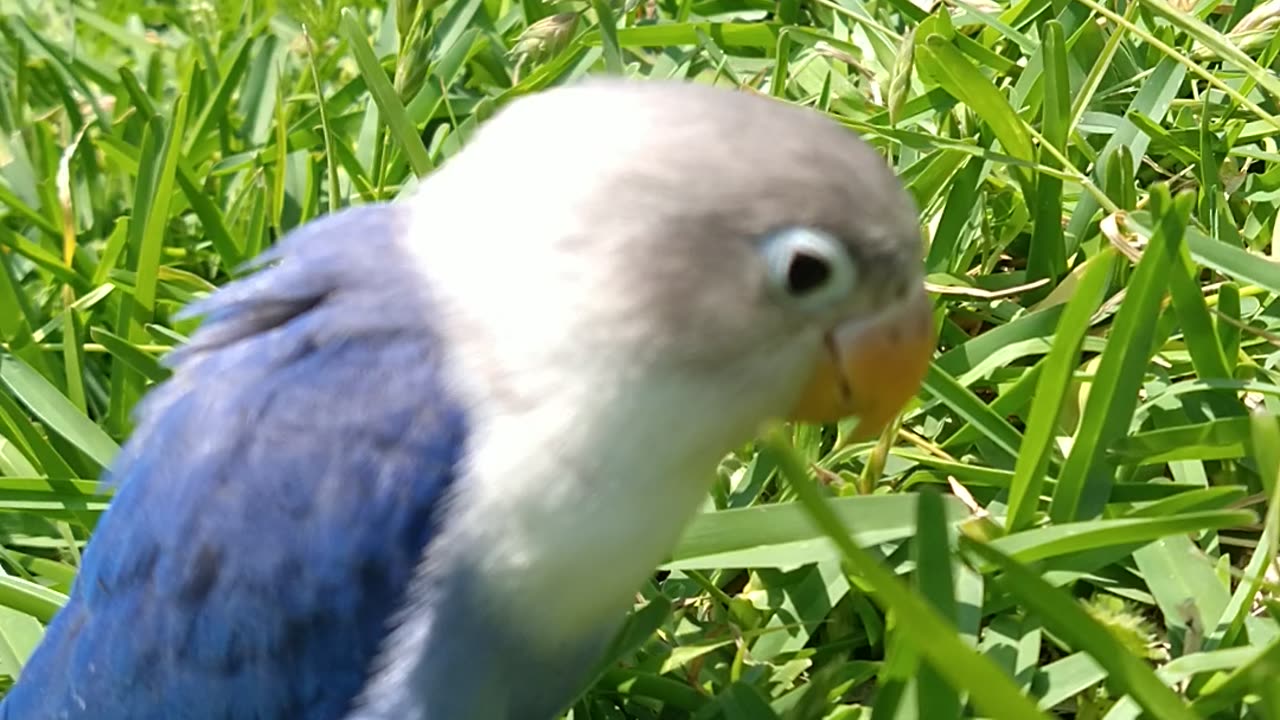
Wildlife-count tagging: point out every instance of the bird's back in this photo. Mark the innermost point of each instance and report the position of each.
(272, 505)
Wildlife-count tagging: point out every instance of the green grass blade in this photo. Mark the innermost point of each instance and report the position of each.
(1055, 378)
(53, 409)
(920, 625)
(393, 111)
(1062, 615)
(1087, 474)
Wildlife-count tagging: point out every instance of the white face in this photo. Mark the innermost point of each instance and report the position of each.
(652, 223)
(629, 317)
(590, 453)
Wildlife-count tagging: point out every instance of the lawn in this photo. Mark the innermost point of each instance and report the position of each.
(1075, 518)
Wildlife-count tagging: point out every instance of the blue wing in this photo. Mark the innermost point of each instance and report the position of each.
(273, 501)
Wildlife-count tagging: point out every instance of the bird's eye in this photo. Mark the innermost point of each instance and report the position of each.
(807, 273)
(808, 266)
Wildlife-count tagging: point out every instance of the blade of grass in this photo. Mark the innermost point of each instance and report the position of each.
(931, 635)
(384, 94)
(1088, 473)
(1055, 380)
(1061, 614)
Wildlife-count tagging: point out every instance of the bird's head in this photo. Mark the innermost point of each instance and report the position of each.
(756, 259)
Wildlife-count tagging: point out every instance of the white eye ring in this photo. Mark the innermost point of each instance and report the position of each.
(808, 267)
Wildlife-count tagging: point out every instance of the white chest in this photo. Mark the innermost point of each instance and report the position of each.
(568, 516)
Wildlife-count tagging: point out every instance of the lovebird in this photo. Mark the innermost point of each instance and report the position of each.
(416, 463)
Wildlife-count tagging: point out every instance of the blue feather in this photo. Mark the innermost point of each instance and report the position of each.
(273, 502)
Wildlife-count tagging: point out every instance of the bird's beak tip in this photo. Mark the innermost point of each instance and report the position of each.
(871, 370)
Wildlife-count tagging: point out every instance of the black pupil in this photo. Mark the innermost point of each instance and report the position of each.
(807, 273)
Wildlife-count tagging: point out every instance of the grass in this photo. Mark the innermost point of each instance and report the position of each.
(1076, 518)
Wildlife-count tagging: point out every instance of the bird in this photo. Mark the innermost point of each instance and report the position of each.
(418, 458)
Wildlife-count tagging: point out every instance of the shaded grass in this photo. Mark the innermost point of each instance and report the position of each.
(1077, 515)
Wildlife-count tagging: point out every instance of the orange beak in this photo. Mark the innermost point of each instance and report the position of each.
(870, 370)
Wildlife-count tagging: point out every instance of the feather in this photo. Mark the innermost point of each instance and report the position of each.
(273, 502)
